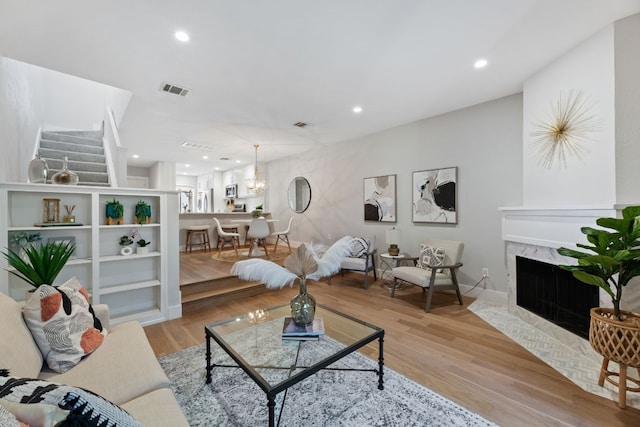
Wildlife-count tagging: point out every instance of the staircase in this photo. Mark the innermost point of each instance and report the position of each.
(84, 151)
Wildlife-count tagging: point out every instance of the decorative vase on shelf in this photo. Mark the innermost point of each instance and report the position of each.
(38, 170)
(303, 306)
(126, 250)
(65, 176)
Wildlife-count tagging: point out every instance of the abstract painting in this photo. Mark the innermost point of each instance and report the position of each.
(434, 195)
(380, 198)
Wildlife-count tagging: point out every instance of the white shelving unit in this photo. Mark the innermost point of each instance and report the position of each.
(141, 287)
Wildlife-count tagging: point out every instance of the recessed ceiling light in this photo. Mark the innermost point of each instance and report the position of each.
(357, 109)
(182, 36)
(135, 156)
(237, 161)
(480, 63)
(217, 169)
(205, 157)
(187, 165)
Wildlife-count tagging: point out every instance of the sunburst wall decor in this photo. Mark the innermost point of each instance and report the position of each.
(568, 127)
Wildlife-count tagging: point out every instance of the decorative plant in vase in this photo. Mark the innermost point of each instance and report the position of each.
(257, 212)
(126, 241)
(142, 246)
(302, 265)
(114, 212)
(142, 212)
(612, 264)
(42, 264)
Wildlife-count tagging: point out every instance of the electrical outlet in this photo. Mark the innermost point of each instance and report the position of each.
(485, 272)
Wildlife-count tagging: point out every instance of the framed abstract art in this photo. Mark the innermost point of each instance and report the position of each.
(434, 195)
(380, 198)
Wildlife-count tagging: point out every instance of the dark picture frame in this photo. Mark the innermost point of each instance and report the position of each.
(434, 195)
(380, 198)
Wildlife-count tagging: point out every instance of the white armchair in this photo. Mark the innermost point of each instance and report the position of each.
(363, 259)
(434, 269)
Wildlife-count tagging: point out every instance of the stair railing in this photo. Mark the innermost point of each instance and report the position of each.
(115, 153)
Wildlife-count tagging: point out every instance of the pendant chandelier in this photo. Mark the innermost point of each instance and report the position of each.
(256, 184)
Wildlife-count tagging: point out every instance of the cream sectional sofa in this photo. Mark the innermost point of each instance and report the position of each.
(123, 369)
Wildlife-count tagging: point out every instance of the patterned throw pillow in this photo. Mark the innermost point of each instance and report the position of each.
(63, 324)
(359, 247)
(430, 256)
(85, 408)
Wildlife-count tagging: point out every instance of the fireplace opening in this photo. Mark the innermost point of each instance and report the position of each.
(555, 295)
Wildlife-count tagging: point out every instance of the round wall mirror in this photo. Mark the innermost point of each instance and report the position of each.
(299, 194)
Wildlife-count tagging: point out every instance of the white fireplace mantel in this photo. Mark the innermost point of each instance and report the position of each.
(550, 227)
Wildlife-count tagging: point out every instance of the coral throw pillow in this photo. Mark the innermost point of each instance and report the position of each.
(63, 324)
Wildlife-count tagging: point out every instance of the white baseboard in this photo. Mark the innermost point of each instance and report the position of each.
(174, 312)
(489, 295)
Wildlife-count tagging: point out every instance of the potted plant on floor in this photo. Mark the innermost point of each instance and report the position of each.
(611, 264)
(41, 264)
(114, 212)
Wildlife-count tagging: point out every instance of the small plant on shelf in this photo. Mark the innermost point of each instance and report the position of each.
(143, 212)
(114, 212)
(42, 264)
(143, 243)
(126, 240)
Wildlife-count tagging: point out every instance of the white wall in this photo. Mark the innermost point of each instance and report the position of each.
(627, 63)
(590, 181)
(484, 141)
(21, 115)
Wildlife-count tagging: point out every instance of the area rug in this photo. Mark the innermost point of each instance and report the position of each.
(230, 255)
(328, 398)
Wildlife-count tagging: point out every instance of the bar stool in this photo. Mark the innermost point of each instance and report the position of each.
(200, 232)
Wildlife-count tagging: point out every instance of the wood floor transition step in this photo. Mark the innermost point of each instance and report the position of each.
(218, 291)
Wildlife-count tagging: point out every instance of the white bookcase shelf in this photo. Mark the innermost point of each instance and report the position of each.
(136, 286)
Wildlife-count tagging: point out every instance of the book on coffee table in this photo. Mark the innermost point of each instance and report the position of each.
(292, 331)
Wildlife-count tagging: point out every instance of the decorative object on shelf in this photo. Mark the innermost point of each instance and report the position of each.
(230, 205)
(434, 195)
(142, 247)
(614, 261)
(65, 176)
(256, 184)
(564, 133)
(43, 263)
(69, 217)
(126, 241)
(18, 241)
(302, 265)
(380, 198)
(114, 212)
(38, 171)
(51, 210)
(393, 238)
(257, 212)
(142, 212)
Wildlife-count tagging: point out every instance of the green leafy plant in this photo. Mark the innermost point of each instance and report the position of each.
(114, 209)
(257, 212)
(142, 211)
(142, 243)
(125, 240)
(616, 254)
(22, 239)
(42, 264)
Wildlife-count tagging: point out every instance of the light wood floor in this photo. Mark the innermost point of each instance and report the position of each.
(450, 350)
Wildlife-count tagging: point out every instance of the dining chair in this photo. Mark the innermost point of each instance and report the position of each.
(226, 238)
(258, 233)
(283, 235)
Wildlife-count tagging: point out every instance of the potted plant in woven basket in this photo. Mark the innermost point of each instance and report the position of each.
(612, 264)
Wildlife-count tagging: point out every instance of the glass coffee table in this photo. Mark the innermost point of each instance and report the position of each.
(255, 343)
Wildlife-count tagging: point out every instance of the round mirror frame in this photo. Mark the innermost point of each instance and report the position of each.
(299, 200)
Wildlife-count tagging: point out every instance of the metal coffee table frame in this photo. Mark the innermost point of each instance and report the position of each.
(272, 390)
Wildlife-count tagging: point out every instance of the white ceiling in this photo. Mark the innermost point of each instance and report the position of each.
(256, 67)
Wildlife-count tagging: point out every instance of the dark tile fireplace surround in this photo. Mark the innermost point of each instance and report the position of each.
(555, 295)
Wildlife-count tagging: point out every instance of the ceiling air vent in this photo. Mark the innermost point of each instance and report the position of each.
(176, 90)
(197, 146)
(300, 124)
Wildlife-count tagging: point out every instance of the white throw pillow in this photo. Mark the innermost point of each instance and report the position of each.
(430, 256)
(63, 325)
